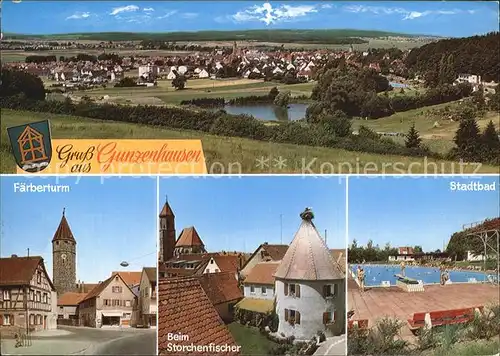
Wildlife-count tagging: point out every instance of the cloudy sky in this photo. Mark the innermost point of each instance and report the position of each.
(415, 17)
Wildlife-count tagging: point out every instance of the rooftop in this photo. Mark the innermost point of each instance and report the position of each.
(185, 308)
(308, 257)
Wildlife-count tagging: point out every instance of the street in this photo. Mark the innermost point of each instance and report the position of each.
(333, 346)
(87, 341)
(141, 344)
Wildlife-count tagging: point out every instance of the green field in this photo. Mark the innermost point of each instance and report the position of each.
(438, 139)
(235, 155)
(164, 93)
(282, 35)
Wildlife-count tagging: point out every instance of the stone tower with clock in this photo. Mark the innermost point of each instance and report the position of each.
(64, 258)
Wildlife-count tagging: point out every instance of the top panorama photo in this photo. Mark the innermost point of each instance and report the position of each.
(401, 87)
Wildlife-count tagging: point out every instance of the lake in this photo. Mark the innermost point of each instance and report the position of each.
(269, 112)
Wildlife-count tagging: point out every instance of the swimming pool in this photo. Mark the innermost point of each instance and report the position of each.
(376, 274)
(398, 85)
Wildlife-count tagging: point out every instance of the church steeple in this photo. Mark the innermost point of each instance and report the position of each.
(167, 232)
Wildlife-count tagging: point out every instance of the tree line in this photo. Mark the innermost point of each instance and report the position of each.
(374, 253)
(479, 55)
(364, 93)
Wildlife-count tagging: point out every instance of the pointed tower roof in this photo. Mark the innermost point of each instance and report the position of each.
(63, 231)
(189, 237)
(308, 257)
(166, 210)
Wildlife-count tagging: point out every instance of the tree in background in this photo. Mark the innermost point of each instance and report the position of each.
(273, 93)
(179, 83)
(418, 249)
(413, 139)
(15, 82)
(490, 144)
(282, 99)
(467, 137)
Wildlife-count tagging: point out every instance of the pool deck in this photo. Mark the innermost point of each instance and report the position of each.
(377, 303)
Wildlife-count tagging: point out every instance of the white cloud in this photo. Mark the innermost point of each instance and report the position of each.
(267, 14)
(406, 14)
(148, 9)
(327, 6)
(189, 15)
(168, 14)
(128, 8)
(78, 16)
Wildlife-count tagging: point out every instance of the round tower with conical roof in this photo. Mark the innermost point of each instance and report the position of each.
(310, 286)
(64, 258)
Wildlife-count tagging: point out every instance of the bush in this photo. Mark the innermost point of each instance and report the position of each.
(486, 325)
(218, 123)
(382, 339)
(205, 102)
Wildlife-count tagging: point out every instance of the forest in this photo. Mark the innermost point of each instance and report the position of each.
(479, 55)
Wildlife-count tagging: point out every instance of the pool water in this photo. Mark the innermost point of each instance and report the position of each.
(374, 275)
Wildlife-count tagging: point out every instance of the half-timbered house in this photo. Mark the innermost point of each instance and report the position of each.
(28, 299)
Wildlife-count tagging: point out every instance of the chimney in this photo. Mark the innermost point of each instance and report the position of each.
(13, 256)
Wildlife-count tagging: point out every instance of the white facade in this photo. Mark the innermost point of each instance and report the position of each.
(212, 267)
(469, 78)
(145, 70)
(472, 257)
(311, 305)
(258, 291)
(203, 74)
(401, 258)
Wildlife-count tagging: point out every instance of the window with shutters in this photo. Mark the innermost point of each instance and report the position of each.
(292, 316)
(286, 288)
(252, 289)
(6, 319)
(6, 295)
(330, 290)
(294, 290)
(117, 289)
(329, 317)
(263, 290)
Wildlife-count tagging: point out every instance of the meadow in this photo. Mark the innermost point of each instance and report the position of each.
(164, 93)
(436, 130)
(235, 155)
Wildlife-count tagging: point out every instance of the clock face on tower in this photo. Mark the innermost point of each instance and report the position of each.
(63, 256)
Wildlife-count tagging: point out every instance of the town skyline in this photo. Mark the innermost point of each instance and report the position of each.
(96, 221)
(208, 205)
(417, 211)
(446, 19)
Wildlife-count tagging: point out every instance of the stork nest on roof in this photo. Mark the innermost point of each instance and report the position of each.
(307, 214)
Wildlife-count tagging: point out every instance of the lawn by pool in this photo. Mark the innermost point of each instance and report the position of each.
(376, 274)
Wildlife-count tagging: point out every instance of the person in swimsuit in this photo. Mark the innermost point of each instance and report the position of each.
(403, 267)
(361, 278)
